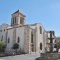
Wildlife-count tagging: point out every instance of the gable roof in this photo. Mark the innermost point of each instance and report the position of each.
(19, 13)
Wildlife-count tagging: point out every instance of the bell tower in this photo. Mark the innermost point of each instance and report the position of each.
(17, 18)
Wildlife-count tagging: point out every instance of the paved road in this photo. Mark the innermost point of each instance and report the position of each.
(21, 57)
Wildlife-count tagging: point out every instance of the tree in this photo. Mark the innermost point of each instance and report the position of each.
(15, 46)
(2, 47)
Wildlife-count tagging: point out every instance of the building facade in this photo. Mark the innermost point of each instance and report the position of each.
(50, 41)
(30, 37)
(57, 39)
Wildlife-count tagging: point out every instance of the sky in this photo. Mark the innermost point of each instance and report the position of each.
(46, 12)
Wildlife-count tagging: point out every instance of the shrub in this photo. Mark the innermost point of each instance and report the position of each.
(2, 47)
(15, 46)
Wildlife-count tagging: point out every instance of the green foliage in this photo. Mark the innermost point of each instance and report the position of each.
(15, 46)
(2, 47)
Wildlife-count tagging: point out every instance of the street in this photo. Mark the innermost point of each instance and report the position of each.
(21, 57)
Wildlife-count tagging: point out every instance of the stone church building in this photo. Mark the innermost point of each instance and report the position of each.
(30, 37)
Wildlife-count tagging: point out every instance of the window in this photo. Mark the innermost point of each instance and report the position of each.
(4, 30)
(15, 19)
(55, 46)
(53, 33)
(32, 47)
(18, 40)
(0, 30)
(2, 38)
(31, 37)
(21, 20)
(55, 41)
(40, 46)
(40, 30)
(8, 40)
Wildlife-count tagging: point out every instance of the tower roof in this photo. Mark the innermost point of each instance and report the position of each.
(19, 13)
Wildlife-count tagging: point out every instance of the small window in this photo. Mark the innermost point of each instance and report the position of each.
(32, 47)
(53, 33)
(2, 38)
(55, 46)
(18, 40)
(40, 30)
(21, 20)
(40, 46)
(15, 19)
(1, 30)
(4, 30)
(31, 37)
(55, 41)
(8, 40)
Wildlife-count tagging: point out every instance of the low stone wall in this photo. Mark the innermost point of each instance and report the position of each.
(2, 54)
(51, 55)
(44, 58)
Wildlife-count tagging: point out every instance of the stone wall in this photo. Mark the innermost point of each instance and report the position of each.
(51, 55)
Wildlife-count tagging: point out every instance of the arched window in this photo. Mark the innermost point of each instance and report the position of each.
(18, 40)
(2, 38)
(40, 46)
(1, 30)
(21, 20)
(55, 46)
(55, 41)
(40, 30)
(8, 40)
(31, 37)
(15, 19)
(4, 30)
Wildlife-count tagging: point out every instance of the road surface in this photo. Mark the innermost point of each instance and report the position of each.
(21, 57)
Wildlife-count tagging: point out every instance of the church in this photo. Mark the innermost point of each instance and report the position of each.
(30, 37)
